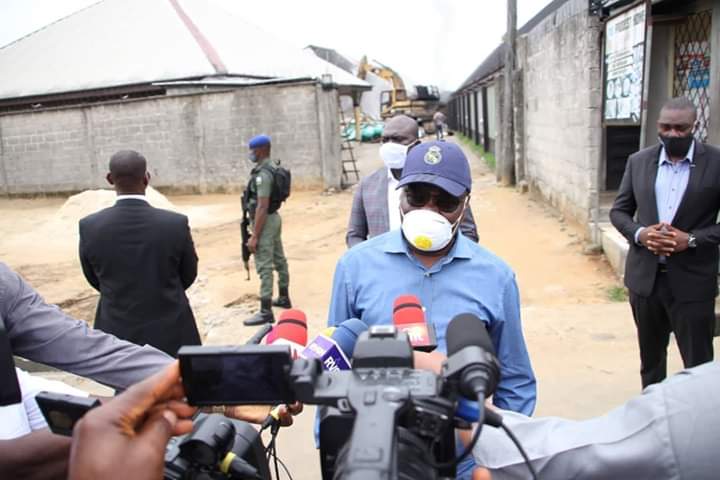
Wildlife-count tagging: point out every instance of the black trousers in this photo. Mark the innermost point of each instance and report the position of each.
(693, 324)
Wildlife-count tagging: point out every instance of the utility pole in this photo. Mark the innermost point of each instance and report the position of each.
(507, 167)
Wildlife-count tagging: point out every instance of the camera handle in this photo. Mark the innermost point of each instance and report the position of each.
(371, 448)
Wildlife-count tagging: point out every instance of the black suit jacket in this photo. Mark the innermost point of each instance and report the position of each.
(141, 259)
(692, 274)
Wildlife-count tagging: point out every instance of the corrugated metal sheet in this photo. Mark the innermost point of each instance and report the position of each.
(129, 42)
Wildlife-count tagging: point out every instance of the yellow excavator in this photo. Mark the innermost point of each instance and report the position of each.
(395, 101)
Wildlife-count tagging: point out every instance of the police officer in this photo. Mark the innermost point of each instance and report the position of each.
(266, 236)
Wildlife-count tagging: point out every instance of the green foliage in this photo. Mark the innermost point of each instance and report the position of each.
(617, 294)
(489, 157)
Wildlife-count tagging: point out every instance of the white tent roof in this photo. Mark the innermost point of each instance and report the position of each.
(127, 42)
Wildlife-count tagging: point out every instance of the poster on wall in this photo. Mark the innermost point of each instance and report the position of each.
(624, 61)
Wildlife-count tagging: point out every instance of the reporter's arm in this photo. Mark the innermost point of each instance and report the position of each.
(672, 431)
(37, 455)
(43, 333)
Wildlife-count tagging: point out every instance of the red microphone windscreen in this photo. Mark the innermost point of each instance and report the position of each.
(291, 325)
(407, 309)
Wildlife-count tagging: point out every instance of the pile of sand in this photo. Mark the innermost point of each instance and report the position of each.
(91, 201)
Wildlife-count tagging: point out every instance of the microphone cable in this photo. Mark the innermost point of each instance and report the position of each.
(271, 452)
(494, 420)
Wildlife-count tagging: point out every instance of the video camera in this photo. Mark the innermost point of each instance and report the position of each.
(381, 420)
(217, 448)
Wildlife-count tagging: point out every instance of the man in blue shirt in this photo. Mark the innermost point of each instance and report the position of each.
(429, 257)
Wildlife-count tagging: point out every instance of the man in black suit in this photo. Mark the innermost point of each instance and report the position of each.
(141, 259)
(667, 208)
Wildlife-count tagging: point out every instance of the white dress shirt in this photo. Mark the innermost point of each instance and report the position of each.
(25, 417)
(131, 197)
(393, 199)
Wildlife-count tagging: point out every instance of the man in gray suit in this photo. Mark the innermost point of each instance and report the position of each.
(376, 203)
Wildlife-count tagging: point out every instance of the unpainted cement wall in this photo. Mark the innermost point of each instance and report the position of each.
(193, 142)
(560, 61)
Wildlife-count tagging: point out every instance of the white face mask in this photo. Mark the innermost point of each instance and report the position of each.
(393, 154)
(426, 230)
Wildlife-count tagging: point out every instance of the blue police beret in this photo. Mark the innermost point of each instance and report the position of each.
(259, 141)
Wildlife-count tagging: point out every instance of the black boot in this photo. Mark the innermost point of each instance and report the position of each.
(265, 315)
(283, 300)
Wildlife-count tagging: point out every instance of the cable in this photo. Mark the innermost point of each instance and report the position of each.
(285, 468)
(462, 456)
(522, 451)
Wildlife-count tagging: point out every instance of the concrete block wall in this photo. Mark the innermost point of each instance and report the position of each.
(560, 60)
(193, 142)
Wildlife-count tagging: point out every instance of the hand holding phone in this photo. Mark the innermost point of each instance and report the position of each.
(63, 411)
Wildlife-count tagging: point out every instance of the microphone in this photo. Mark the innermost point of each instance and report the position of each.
(291, 330)
(470, 412)
(258, 336)
(409, 317)
(335, 352)
(471, 357)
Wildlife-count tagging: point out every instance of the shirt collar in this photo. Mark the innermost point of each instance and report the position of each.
(395, 243)
(132, 197)
(690, 156)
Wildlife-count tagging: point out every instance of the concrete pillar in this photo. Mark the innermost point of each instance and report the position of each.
(714, 130)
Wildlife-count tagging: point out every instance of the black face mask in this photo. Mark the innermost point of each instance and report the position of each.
(676, 146)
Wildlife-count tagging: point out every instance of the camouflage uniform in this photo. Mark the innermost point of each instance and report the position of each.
(269, 254)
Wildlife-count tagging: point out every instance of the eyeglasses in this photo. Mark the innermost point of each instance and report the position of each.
(419, 195)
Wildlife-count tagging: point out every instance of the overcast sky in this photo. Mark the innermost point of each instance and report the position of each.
(436, 42)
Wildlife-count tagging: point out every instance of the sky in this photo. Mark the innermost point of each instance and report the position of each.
(434, 42)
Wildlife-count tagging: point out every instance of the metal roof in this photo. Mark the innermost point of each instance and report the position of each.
(129, 42)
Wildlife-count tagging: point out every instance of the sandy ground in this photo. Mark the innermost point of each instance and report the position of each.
(582, 345)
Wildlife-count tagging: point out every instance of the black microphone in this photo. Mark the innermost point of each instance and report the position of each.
(259, 335)
(471, 357)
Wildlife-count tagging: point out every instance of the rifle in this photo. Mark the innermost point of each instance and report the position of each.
(245, 232)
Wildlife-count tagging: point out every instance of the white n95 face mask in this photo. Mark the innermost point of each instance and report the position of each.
(393, 154)
(426, 230)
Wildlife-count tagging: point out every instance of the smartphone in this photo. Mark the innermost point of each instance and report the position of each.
(63, 411)
(241, 375)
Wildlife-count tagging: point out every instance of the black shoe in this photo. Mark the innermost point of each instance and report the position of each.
(282, 302)
(263, 316)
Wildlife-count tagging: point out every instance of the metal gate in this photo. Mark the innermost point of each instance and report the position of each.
(691, 76)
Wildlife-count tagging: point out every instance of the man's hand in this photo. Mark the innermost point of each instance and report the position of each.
(126, 437)
(258, 413)
(252, 243)
(481, 474)
(681, 238)
(659, 239)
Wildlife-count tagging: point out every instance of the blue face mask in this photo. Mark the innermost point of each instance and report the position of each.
(252, 157)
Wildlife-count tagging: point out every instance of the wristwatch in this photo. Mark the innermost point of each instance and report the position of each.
(692, 241)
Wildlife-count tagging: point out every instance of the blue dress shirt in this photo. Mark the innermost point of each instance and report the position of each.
(670, 185)
(469, 279)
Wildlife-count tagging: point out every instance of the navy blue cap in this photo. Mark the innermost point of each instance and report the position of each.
(442, 164)
(259, 141)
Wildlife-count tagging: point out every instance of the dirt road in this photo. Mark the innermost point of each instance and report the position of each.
(582, 345)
